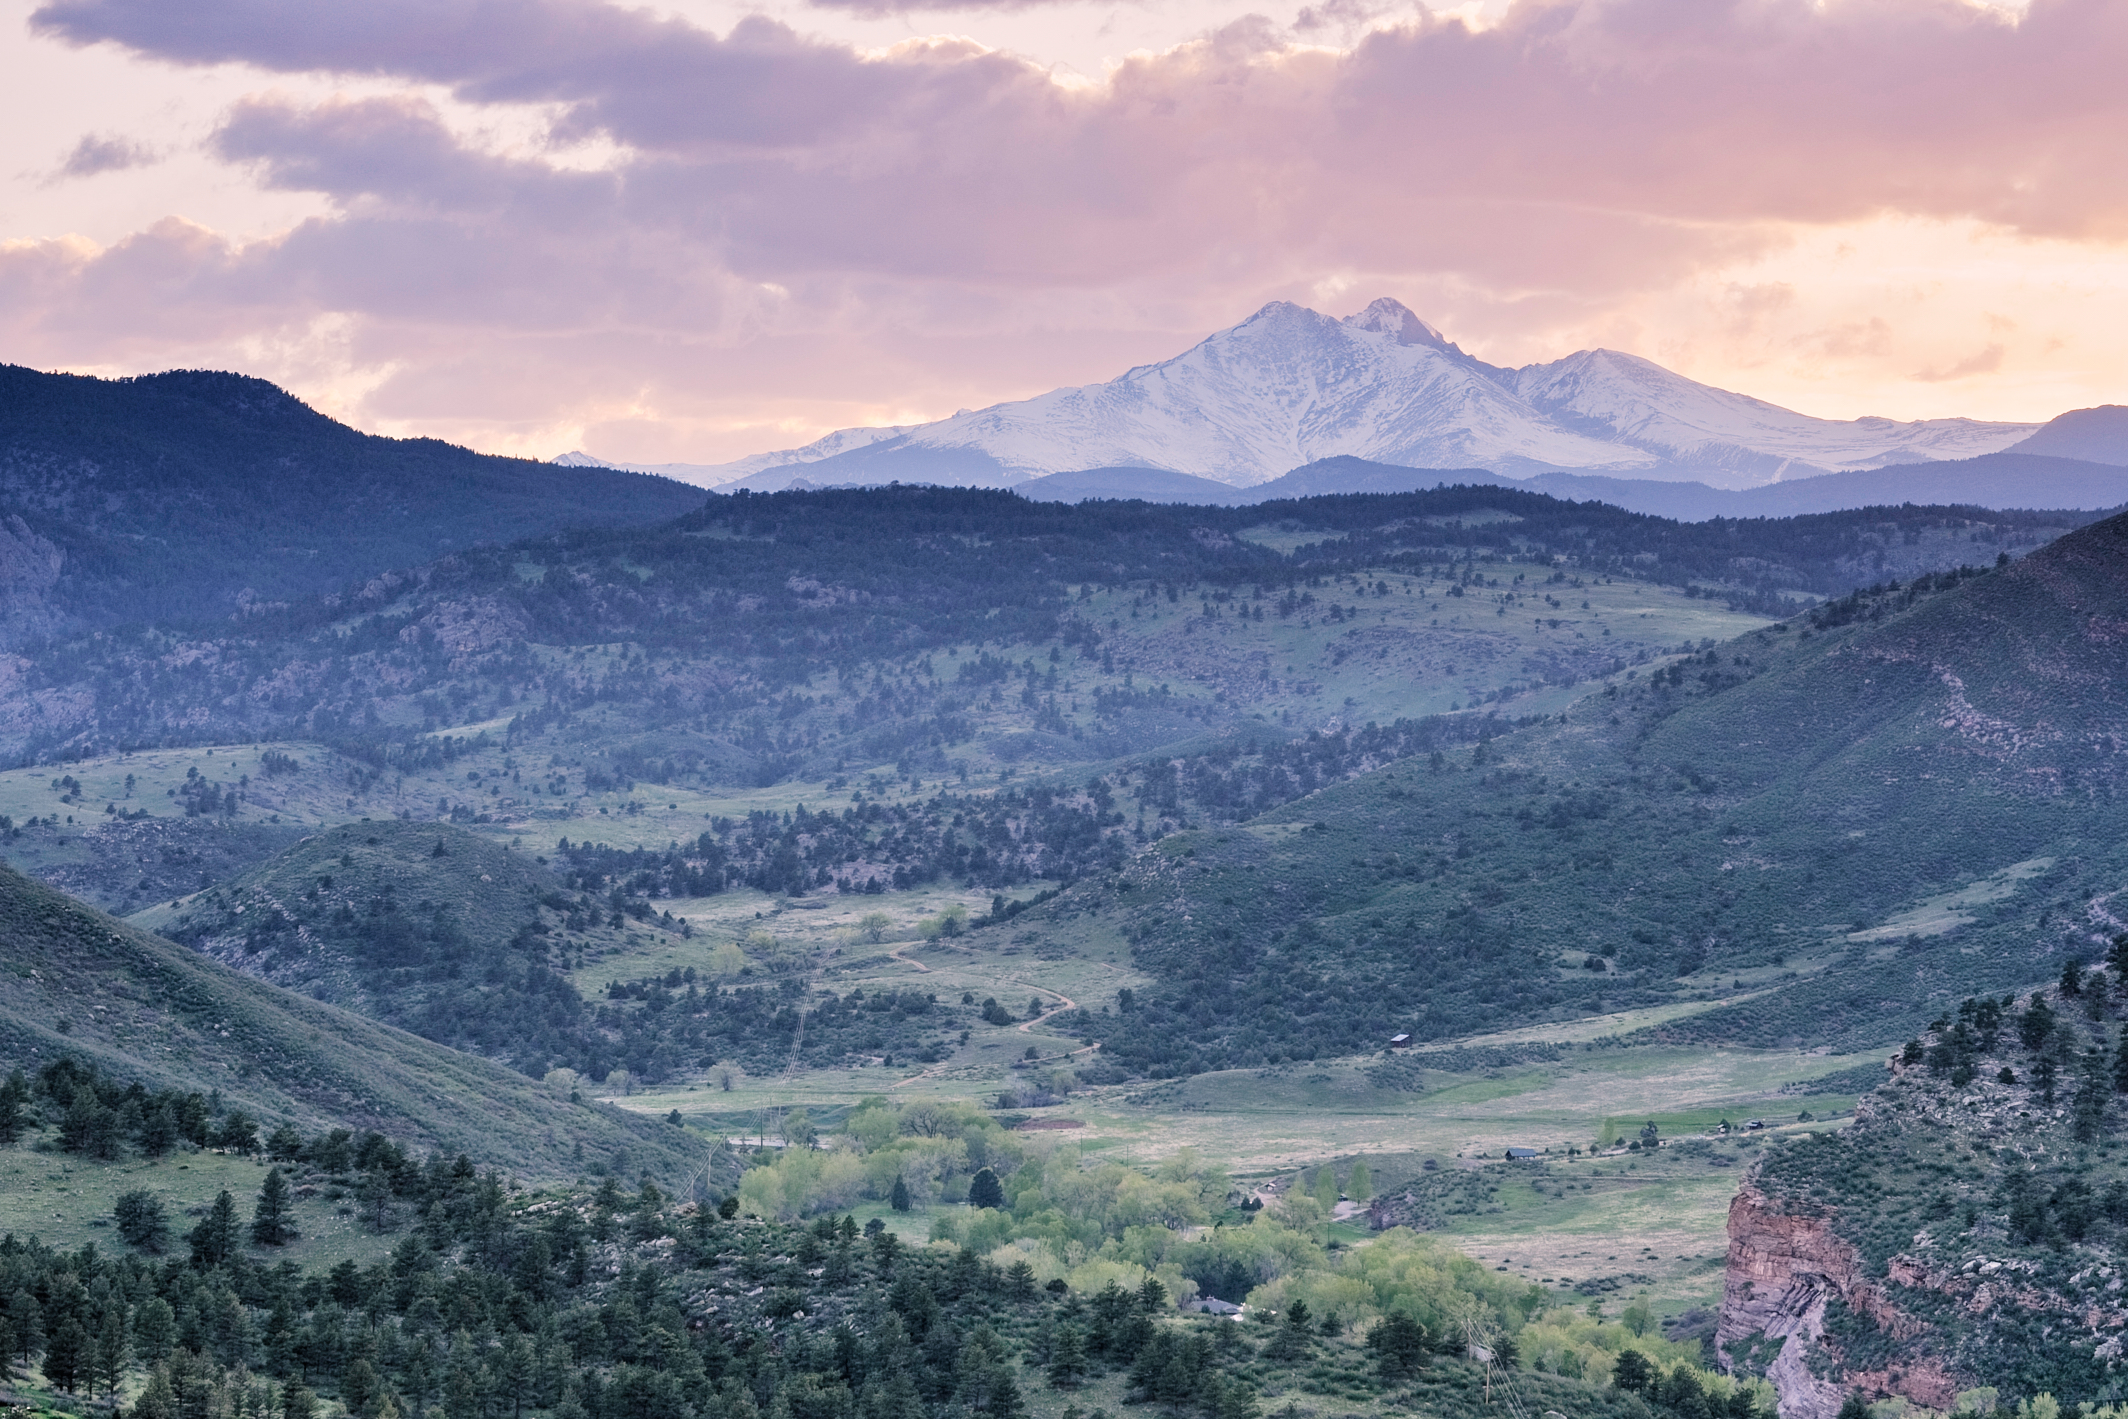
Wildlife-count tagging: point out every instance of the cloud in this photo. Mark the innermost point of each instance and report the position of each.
(868, 218)
(99, 153)
(872, 9)
(1987, 361)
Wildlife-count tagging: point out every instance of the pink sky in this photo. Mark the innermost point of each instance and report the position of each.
(702, 232)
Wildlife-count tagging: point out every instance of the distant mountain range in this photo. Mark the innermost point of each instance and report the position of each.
(1290, 388)
(1993, 480)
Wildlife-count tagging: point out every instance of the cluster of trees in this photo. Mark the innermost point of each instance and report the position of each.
(1011, 837)
(996, 840)
(1130, 1241)
(101, 1117)
(625, 1302)
(2059, 1057)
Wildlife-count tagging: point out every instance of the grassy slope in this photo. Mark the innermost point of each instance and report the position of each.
(77, 981)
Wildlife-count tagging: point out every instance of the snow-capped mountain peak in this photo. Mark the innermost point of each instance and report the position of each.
(1392, 318)
(1289, 386)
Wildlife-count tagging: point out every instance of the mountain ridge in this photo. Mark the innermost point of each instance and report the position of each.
(197, 495)
(1289, 386)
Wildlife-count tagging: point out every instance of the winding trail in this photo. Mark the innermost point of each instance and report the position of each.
(1065, 1003)
(1069, 1004)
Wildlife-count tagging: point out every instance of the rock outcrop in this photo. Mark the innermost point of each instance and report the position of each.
(1783, 1269)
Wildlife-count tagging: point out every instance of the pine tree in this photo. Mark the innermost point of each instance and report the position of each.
(1399, 1345)
(154, 1330)
(13, 1095)
(1291, 1342)
(213, 1241)
(67, 1355)
(899, 1198)
(270, 1226)
(159, 1130)
(112, 1355)
(1067, 1358)
(374, 1197)
(984, 1190)
(158, 1400)
(140, 1219)
(279, 1339)
(25, 1319)
(1632, 1372)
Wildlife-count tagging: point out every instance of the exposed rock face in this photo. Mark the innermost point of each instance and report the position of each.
(1781, 1268)
(1784, 1265)
(1961, 1233)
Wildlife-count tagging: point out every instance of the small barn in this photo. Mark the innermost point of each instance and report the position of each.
(1515, 1153)
(1400, 1042)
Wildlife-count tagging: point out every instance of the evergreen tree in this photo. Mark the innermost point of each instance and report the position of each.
(25, 1320)
(67, 1356)
(1632, 1372)
(112, 1355)
(1854, 1407)
(1067, 1358)
(899, 1198)
(1399, 1345)
(140, 1219)
(374, 1199)
(270, 1224)
(214, 1240)
(2092, 1091)
(159, 1130)
(1019, 1281)
(279, 1339)
(1294, 1334)
(158, 1400)
(154, 1330)
(14, 1094)
(2035, 1024)
(984, 1190)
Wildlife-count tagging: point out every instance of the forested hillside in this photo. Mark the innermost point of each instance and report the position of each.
(769, 635)
(193, 496)
(1910, 792)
